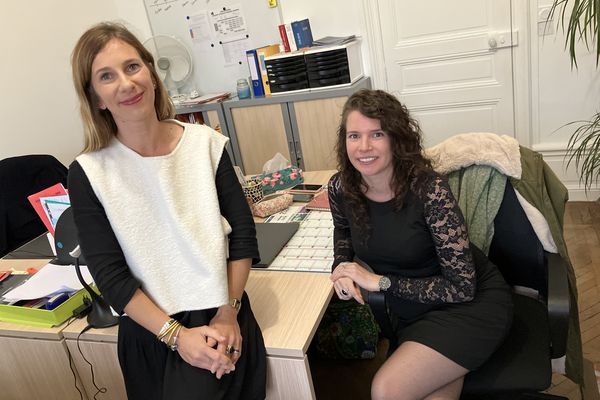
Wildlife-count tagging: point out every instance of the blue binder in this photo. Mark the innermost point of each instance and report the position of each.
(257, 86)
(302, 33)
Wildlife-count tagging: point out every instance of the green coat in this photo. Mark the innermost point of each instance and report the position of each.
(542, 188)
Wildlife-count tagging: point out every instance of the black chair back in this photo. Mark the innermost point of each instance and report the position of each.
(515, 248)
(20, 177)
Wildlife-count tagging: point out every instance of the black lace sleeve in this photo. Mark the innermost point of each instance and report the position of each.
(446, 223)
(342, 240)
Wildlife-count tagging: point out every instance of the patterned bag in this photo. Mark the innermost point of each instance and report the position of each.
(282, 179)
(348, 330)
(271, 205)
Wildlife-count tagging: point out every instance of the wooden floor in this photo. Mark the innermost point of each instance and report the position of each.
(582, 234)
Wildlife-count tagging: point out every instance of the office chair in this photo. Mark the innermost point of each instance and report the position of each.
(521, 366)
(20, 177)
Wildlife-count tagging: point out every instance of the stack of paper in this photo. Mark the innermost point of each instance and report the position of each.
(333, 40)
(49, 281)
(207, 98)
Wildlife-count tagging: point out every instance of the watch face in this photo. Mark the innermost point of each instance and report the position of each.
(384, 283)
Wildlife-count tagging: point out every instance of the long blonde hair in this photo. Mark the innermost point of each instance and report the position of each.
(99, 125)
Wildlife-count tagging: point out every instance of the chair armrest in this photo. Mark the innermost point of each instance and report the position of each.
(559, 304)
(378, 305)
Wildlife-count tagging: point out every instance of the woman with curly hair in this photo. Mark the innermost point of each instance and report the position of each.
(449, 306)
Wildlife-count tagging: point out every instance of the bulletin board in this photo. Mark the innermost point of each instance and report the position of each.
(217, 33)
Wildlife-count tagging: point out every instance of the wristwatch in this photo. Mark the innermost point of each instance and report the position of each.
(235, 303)
(384, 283)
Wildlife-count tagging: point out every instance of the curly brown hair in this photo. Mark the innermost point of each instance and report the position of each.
(410, 168)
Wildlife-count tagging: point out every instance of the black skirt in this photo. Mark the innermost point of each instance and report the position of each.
(152, 371)
(467, 333)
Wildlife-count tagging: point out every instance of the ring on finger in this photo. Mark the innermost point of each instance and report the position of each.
(344, 292)
(229, 349)
(236, 351)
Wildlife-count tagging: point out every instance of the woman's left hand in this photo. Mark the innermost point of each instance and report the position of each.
(225, 321)
(363, 278)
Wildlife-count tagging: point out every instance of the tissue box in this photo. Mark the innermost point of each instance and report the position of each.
(280, 180)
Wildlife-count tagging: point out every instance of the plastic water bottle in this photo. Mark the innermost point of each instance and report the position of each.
(243, 90)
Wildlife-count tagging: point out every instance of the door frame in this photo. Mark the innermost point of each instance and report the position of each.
(522, 65)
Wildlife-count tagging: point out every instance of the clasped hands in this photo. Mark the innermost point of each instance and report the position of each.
(216, 346)
(349, 277)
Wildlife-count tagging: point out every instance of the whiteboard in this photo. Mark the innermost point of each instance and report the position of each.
(217, 33)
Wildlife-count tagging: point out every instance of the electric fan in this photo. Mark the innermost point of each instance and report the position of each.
(173, 61)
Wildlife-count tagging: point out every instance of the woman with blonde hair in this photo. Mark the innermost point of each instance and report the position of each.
(165, 230)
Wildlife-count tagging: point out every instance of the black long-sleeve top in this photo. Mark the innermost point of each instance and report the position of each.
(101, 249)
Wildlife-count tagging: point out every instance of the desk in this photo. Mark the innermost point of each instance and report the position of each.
(288, 307)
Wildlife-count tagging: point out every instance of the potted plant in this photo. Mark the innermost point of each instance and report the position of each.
(582, 24)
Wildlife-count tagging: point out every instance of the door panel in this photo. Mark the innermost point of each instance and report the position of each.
(442, 63)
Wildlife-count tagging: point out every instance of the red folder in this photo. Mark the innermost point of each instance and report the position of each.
(34, 199)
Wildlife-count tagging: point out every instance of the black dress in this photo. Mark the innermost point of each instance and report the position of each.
(440, 296)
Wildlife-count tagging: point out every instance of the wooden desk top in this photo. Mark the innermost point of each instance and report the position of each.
(287, 305)
(319, 177)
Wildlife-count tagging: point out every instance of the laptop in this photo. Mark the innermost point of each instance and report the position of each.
(271, 239)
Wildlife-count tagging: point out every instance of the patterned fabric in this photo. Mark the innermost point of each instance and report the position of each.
(253, 191)
(348, 330)
(280, 180)
(479, 190)
(271, 205)
(456, 281)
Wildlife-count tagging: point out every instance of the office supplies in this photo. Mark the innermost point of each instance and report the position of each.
(302, 33)
(65, 239)
(333, 65)
(56, 301)
(320, 202)
(261, 53)
(317, 67)
(70, 252)
(34, 199)
(100, 315)
(306, 188)
(257, 86)
(290, 35)
(302, 197)
(284, 39)
(271, 239)
(271, 204)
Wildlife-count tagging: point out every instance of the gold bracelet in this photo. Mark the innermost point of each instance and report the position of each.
(174, 346)
(168, 330)
(172, 330)
(165, 326)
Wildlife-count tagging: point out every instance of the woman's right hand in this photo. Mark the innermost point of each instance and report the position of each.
(194, 346)
(346, 289)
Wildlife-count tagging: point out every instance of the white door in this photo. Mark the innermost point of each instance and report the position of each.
(450, 62)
